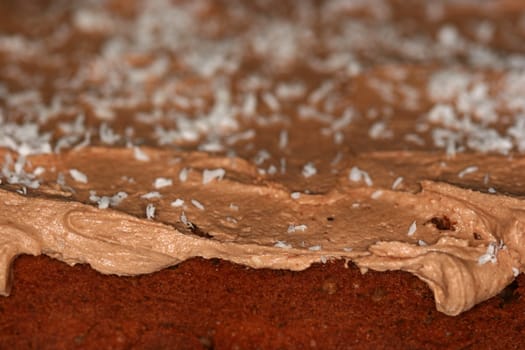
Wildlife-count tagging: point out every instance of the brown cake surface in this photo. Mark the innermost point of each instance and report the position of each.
(136, 136)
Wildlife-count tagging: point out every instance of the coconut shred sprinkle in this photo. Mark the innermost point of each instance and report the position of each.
(183, 175)
(105, 202)
(376, 194)
(397, 182)
(140, 155)
(309, 170)
(282, 244)
(151, 195)
(296, 228)
(15, 173)
(490, 255)
(177, 202)
(357, 175)
(197, 204)
(212, 175)
(161, 182)
(78, 176)
(468, 170)
(295, 195)
(150, 211)
(412, 229)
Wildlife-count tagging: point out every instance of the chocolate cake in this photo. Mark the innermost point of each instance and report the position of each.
(266, 174)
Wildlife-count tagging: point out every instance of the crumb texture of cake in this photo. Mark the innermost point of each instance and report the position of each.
(137, 135)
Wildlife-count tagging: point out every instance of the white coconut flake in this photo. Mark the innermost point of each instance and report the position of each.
(379, 130)
(271, 101)
(151, 195)
(184, 219)
(345, 120)
(211, 175)
(232, 220)
(467, 170)
(105, 202)
(177, 202)
(294, 228)
(492, 190)
(262, 156)
(515, 271)
(376, 194)
(282, 244)
(22, 191)
(78, 176)
(490, 254)
(321, 92)
(117, 198)
(197, 204)
(242, 136)
(140, 155)
(107, 135)
(161, 182)
(290, 91)
(315, 248)
(357, 175)
(309, 170)
(295, 195)
(25, 139)
(412, 229)
(39, 171)
(421, 243)
(183, 175)
(150, 211)
(397, 182)
(19, 176)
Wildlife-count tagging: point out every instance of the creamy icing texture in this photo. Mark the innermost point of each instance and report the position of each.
(466, 244)
(276, 135)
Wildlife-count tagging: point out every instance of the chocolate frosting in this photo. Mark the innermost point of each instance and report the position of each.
(466, 244)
